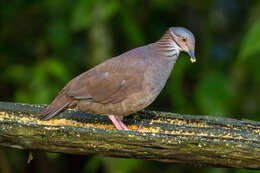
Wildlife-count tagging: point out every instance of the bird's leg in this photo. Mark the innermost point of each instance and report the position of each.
(122, 124)
(139, 128)
(115, 122)
(126, 128)
(119, 123)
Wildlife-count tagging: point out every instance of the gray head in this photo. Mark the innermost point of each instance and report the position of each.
(185, 40)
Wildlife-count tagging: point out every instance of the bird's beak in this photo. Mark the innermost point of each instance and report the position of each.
(192, 56)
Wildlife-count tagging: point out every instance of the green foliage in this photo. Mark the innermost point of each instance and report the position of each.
(58, 35)
(82, 15)
(250, 45)
(121, 165)
(214, 95)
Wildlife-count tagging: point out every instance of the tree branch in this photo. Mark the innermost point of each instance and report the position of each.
(168, 137)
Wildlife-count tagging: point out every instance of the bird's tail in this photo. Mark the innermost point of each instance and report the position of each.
(60, 103)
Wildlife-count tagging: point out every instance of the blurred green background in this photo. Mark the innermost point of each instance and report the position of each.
(44, 44)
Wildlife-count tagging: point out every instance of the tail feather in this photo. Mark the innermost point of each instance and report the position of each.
(60, 103)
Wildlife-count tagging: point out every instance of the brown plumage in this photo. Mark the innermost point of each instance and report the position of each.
(124, 84)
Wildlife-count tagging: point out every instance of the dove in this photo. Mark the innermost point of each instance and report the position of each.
(127, 83)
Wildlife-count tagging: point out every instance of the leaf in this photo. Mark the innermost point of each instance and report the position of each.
(110, 8)
(120, 165)
(56, 68)
(58, 35)
(16, 73)
(82, 15)
(132, 29)
(214, 94)
(93, 164)
(251, 43)
(30, 157)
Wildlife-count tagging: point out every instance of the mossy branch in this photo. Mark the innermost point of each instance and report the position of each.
(168, 137)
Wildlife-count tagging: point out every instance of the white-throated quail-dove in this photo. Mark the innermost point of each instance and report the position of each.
(126, 83)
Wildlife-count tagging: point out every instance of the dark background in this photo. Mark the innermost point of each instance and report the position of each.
(44, 44)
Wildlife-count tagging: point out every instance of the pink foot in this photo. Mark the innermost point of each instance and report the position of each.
(139, 128)
(122, 124)
(115, 122)
(119, 123)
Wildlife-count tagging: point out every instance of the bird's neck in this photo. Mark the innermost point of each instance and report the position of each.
(166, 47)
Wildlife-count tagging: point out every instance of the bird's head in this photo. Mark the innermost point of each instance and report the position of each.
(185, 40)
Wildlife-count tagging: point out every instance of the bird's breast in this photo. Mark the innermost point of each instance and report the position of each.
(157, 75)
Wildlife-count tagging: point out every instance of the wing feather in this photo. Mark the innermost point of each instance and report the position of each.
(110, 82)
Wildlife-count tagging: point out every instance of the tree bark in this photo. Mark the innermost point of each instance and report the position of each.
(167, 137)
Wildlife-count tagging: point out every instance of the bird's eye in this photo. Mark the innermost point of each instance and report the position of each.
(184, 39)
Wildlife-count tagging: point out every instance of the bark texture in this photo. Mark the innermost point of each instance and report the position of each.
(167, 137)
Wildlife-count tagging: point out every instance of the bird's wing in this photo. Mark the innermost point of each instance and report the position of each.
(110, 82)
